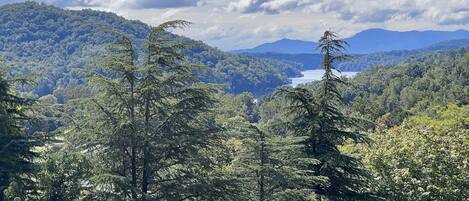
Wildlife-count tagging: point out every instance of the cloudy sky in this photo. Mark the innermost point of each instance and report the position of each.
(236, 24)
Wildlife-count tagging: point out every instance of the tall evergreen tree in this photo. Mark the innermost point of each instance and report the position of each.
(61, 175)
(16, 155)
(345, 172)
(272, 167)
(152, 127)
(320, 119)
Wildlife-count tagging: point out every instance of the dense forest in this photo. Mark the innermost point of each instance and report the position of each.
(39, 38)
(96, 107)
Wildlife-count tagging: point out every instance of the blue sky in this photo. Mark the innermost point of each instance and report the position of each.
(236, 24)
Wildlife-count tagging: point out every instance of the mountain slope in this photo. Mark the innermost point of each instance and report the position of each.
(307, 61)
(283, 46)
(392, 93)
(447, 45)
(368, 41)
(376, 40)
(39, 38)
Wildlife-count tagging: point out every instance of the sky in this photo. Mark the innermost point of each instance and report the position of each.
(238, 24)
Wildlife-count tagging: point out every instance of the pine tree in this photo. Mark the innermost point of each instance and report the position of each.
(152, 127)
(179, 125)
(61, 175)
(346, 175)
(16, 155)
(319, 118)
(273, 167)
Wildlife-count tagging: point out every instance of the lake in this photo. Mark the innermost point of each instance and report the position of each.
(314, 75)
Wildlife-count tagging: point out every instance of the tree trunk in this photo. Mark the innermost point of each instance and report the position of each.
(124, 158)
(133, 148)
(145, 176)
(134, 172)
(1, 193)
(262, 164)
(146, 172)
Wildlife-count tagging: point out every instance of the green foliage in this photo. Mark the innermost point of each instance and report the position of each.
(16, 155)
(63, 176)
(243, 105)
(358, 63)
(51, 41)
(265, 166)
(307, 61)
(43, 39)
(318, 119)
(426, 158)
(150, 127)
(241, 73)
(388, 95)
(401, 160)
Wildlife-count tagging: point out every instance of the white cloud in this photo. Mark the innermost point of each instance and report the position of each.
(278, 5)
(267, 6)
(448, 16)
(246, 6)
(363, 11)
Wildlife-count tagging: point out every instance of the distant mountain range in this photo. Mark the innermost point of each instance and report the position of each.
(360, 62)
(368, 41)
(283, 46)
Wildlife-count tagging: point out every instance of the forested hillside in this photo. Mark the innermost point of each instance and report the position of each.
(394, 92)
(390, 93)
(52, 41)
(307, 61)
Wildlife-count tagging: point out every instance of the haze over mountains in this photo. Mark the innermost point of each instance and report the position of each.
(368, 41)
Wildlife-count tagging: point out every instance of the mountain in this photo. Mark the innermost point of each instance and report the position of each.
(53, 42)
(447, 45)
(360, 62)
(307, 61)
(282, 46)
(389, 58)
(377, 40)
(368, 41)
(421, 81)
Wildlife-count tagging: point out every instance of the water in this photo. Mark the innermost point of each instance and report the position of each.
(314, 75)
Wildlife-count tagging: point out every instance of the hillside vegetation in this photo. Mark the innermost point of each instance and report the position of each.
(392, 93)
(37, 38)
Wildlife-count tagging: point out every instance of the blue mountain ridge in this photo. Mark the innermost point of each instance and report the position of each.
(368, 41)
(359, 62)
